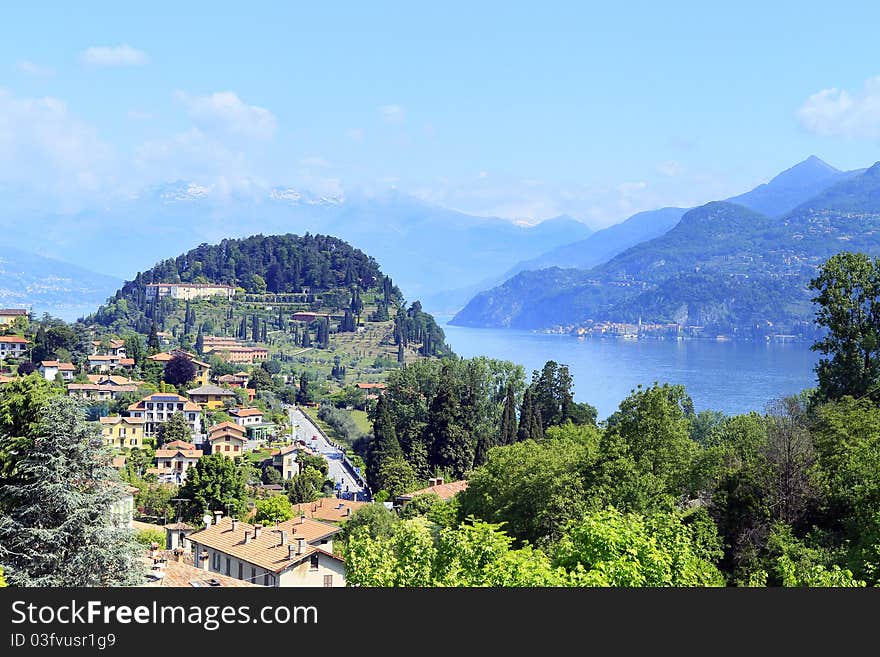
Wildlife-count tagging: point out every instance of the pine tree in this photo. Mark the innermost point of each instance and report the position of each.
(242, 329)
(255, 328)
(508, 429)
(529, 418)
(302, 395)
(306, 337)
(384, 445)
(60, 528)
(200, 342)
(153, 341)
(401, 357)
(264, 333)
(449, 445)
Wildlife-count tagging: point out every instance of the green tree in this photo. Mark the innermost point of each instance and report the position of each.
(508, 430)
(396, 476)
(449, 446)
(384, 446)
(153, 345)
(610, 548)
(216, 483)
(302, 394)
(21, 409)
(174, 428)
(305, 486)
(848, 296)
(273, 510)
(200, 341)
(60, 528)
(375, 518)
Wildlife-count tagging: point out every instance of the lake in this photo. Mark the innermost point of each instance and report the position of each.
(732, 377)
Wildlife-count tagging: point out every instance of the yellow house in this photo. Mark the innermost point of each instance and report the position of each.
(202, 369)
(227, 438)
(210, 396)
(9, 315)
(123, 431)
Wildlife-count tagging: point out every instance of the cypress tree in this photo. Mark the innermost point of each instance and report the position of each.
(508, 429)
(526, 412)
(449, 446)
(200, 342)
(384, 444)
(255, 328)
(153, 340)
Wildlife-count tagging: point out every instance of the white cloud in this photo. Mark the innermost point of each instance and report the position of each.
(226, 111)
(670, 168)
(841, 113)
(392, 113)
(44, 147)
(34, 70)
(123, 55)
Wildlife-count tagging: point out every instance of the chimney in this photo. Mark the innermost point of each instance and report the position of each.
(291, 551)
(203, 558)
(432, 481)
(234, 524)
(217, 516)
(299, 545)
(347, 511)
(302, 517)
(283, 537)
(247, 537)
(439, 481)
(257, 529)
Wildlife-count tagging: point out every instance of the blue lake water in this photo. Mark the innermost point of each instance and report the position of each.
(732, 377)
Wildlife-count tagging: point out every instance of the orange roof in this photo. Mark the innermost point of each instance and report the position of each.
(183, 574)
(118, 462)
(5, 379)
(266, 550)
(179, 444)
(245, 412)
(328, 508)
(13, 339)
(116, 419)
(443, 491)
(171, 453)
(370, 386)
(9, 312)
(102, 387)
(59, 365)
(225, 428)
(165, 356)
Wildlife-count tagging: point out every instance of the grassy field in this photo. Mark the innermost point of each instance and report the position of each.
(362, 421)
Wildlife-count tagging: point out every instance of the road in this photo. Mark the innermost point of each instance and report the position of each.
(304, 428)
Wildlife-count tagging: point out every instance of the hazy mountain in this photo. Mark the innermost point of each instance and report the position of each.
(47, 285)
(723, 265)
(424, 248)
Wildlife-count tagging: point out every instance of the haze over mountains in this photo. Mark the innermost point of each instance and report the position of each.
(424, 248)
(724, 266)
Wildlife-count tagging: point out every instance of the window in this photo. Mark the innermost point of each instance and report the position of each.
(328, 580)
(227, 565)
(253, 575)
(266, 579)
(240, 570)
(313, 562)
(215, 561)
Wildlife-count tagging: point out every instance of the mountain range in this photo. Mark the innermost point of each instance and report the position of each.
(424, 248)
(724, 266)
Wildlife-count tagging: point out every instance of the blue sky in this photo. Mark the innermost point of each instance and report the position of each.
(522, 110)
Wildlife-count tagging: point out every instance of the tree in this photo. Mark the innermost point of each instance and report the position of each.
(21, 410)
(508, 429)
(153, 345)
(610, 548)
(60, 528)
(848, 295)
(174, 428)
(449, 445)
(305, 486)
(378, 521)
(255, 328)
(530, 427)
(273, 510)
(216, 483)
(179, 370)
(384, 446)
(134, 348)
(200, 341)
(260, 379)
(302, 395)
(26, 368)
(396, 476)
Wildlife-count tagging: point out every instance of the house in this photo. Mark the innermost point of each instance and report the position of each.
(213, 341)
(202, 368)
(252, 420)
(156, 409)
(50, 368)
(122, 509)
(98, 391)
(112, 348)
(188, 291)
(173, 568)
(285, 459)
(210, 396)
(436, 485)
(227, 438)
(247, 417)
(307, 316)
(9, 315)
(12, 346)
(373, 390)
(123, 431)
(99, 363)
(114, 380)
(177, 535)
(239, 354)
(296, 552)
(175, 459)
(237, 380)
(328, 508)
(165, 338)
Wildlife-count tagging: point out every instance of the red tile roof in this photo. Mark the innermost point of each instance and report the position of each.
(13, 339)
(245, 412)
(443, 491)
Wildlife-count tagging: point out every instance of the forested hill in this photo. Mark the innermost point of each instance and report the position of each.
(311, 272)
(723, 267)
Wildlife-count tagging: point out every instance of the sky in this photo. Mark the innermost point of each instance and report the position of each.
(518, 110)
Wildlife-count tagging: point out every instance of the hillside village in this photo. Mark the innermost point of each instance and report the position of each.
(168, 402)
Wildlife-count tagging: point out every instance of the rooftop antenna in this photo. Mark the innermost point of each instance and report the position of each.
(177, 501)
